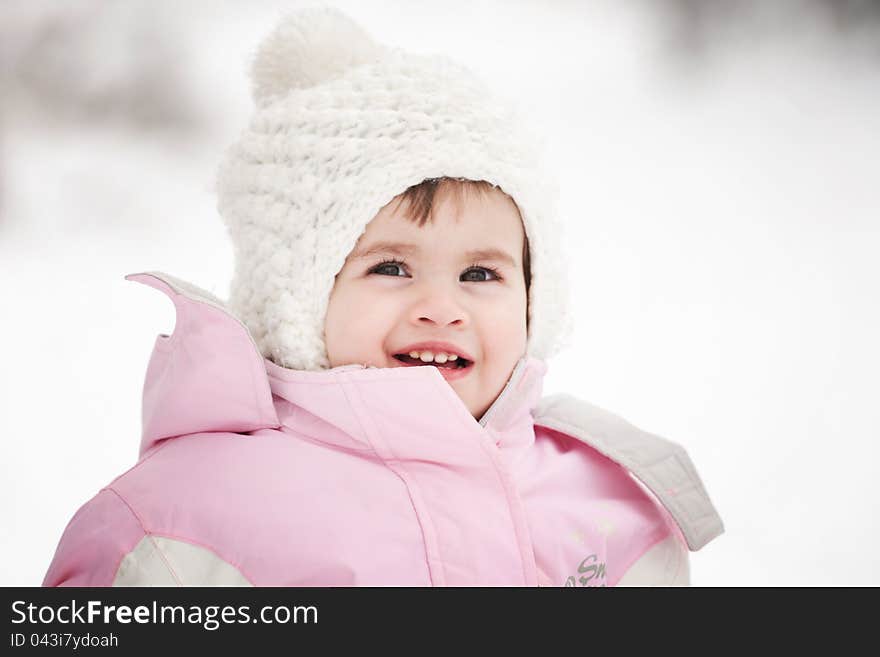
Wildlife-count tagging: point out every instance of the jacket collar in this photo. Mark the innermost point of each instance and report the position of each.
(209, 376)
(340, 402)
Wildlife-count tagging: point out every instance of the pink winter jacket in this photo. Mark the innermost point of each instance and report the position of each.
(252, 474)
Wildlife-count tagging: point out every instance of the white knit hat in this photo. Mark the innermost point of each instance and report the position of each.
(342, 126)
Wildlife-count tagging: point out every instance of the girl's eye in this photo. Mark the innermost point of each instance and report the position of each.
(478, 274)
(473, 274)
(389, 268)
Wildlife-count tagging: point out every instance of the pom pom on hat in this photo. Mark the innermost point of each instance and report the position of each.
(307, 48)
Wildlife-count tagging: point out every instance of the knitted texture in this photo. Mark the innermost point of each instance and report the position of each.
(342, 126)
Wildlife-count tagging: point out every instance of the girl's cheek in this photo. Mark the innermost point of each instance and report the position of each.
(496, 289)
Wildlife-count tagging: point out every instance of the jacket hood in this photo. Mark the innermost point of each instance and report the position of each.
(209, 376)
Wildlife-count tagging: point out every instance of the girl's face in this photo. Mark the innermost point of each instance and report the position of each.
(451, 287)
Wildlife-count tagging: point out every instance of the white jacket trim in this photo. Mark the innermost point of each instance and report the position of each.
(665, 564)
(161, 561)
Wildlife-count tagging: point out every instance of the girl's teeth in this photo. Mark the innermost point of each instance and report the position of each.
(429, 356)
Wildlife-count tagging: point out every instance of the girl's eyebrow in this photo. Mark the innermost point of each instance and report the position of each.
(393, 248)
(491, 254)
(403, 249)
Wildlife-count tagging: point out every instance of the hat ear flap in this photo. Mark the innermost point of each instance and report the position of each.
(306, 49)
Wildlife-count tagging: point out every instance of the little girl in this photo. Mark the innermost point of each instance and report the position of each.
(367, 410)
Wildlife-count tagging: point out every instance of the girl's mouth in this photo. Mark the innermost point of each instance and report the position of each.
(450, 370)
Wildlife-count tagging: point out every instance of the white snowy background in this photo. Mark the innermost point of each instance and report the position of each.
(720, 172)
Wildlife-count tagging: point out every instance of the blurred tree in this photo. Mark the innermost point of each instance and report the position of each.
(94, 60)
(695, 27)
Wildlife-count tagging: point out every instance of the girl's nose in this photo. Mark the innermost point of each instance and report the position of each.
(438, 308)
